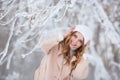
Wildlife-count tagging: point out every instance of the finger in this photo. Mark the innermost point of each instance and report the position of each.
(72, 28)
(87, 44)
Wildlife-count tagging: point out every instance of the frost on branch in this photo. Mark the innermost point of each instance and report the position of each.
(26, 24)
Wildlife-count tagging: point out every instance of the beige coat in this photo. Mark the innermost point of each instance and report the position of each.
(52, 66)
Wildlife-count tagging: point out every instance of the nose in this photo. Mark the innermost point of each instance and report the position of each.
(75, 41)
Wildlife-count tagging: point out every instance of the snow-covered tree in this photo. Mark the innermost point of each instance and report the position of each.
(25, 23)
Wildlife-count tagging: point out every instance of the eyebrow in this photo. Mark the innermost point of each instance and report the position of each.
(79, 39)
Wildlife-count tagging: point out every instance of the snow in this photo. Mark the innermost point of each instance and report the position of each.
(29, 21)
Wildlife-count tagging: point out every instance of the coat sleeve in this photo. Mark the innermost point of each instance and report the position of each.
(48, 44)
(81, 70)
(36, 75)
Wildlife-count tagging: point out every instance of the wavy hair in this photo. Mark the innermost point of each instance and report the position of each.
(66, 51)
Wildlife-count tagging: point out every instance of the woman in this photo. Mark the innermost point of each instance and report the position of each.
(64, 60)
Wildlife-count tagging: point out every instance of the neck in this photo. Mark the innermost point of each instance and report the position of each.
(72, 52)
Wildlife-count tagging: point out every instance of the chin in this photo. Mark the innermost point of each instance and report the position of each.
(73, 48)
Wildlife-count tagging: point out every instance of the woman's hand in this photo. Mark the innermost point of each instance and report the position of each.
(70, 30)
(87, 45)
(88, 56)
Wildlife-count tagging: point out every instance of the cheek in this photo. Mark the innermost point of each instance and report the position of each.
(79, 44)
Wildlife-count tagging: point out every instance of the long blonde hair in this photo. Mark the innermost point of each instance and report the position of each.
(66, 51)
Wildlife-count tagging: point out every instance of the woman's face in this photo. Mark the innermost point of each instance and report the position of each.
(76, 40)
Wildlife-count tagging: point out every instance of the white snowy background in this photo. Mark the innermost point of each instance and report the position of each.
(24, 24)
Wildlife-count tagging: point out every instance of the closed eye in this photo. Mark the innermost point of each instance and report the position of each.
(80, 41)
(75, 36)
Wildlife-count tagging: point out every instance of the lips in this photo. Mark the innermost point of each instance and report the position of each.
(73, 44)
